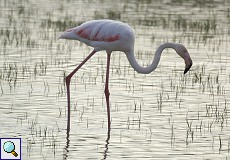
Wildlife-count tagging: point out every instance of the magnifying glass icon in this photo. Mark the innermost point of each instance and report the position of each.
(9, 147)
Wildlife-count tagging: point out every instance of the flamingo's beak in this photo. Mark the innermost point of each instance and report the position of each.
(188, 62)
(187, 67)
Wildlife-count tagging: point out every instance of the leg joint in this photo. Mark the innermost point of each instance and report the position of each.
(106, 91)
(67, 79)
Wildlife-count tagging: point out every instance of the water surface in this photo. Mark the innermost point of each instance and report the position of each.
(162, 115)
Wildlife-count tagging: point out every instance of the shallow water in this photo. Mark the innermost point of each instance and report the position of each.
(162, 115)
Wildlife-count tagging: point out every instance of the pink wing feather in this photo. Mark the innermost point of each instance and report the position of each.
(105, 30)
(103, 35)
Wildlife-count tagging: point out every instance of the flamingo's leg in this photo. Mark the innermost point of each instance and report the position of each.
(107, 88)
(68, 78)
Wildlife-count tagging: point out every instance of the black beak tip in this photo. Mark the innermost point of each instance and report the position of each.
(187, 68)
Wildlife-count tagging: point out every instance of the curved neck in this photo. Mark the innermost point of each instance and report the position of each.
(153, 66)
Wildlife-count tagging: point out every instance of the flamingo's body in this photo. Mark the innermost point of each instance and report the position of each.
(111, 36)
(103, 35)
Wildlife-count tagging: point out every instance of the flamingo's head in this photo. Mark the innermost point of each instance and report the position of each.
(182, 51)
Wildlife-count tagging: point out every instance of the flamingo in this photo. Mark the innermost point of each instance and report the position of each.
(111, 35)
